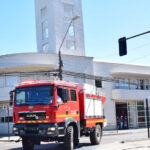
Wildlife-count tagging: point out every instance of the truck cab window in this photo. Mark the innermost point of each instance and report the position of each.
(73, 95)
(63, 94)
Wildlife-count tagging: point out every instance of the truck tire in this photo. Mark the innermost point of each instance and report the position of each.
(69, 138)
(27, 144)
(95, 135)
(76, 140)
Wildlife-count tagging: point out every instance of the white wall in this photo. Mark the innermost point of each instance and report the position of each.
(103, 69)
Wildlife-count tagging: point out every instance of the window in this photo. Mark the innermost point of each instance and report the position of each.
(73, 95)
(6, 119)
(44, 12)
(147, 84)
(34, 95)
(71, 31)
(11, 80)
(142, 84)
(68, 10)
(70, 45)
(63, 94)
(2, 119)
(98, 83)
(45, 47)
(116, 83)
(2, 81)
(45, 30)
(133, 83)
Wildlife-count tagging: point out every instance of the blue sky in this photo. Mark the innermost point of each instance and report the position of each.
(105, 22)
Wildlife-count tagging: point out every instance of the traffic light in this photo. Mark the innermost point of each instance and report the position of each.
(122, 46)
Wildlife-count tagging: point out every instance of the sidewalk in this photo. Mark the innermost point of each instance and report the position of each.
(126, 131)
(5, 138)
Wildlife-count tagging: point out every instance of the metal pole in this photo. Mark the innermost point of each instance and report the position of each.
(147, 115)
(60, 66)
(59, 50)
(8, 121)
(137, 35)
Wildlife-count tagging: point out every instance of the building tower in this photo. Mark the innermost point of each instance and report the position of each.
(52, 20)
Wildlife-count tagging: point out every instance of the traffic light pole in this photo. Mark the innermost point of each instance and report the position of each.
(147, 116)
(137, 35)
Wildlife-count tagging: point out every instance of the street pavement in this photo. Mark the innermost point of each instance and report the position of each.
(135, 139)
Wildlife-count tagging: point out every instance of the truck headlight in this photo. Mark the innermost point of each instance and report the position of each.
(15, 129)
(51, 129)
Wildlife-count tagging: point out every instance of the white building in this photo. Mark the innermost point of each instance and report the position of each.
(125, 86)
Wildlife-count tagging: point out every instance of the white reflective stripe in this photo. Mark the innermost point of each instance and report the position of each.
(31, 112)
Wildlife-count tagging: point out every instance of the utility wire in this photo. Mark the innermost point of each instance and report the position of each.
(55, 73)
(131, 50)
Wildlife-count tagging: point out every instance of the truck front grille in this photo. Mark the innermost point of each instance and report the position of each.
(32, 115)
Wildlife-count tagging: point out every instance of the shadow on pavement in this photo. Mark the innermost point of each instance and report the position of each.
(16, 148)
(56, 146)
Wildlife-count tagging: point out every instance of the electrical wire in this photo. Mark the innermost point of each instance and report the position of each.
(55, 73)
(131, 50)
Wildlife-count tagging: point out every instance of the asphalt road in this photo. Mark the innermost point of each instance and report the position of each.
(123, 141)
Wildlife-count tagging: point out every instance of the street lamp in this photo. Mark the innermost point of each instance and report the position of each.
(60, 59)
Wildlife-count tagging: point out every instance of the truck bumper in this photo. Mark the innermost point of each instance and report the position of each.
(39, 130)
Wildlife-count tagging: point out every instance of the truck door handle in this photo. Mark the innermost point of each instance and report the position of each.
(67, 112)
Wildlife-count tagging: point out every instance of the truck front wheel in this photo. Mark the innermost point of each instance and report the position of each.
(69, 138)
(95, 135)
(27, 144)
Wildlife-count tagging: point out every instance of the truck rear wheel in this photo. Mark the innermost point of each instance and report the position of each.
(69, 138)
(95, 135)
(27, 144)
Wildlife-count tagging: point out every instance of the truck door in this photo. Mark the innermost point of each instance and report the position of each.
(74, 104)
(62, 100)
(68, 103)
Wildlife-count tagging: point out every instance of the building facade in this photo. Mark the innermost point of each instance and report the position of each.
(125, 92)
(124, 85)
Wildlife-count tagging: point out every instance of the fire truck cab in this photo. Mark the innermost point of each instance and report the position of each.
(53, 110)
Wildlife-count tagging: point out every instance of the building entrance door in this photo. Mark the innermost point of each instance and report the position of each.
(121, 115)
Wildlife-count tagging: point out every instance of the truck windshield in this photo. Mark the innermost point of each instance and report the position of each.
(35, 95)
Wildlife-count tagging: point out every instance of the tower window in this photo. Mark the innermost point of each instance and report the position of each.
(45, 47)
(44, 12)
(71, 31)
(68, 10)
(45, 30)
(70, 45)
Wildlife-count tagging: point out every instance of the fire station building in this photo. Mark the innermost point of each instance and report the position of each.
(125, 85)
(125, 93)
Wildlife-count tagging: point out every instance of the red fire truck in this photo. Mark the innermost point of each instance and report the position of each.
(54, 110)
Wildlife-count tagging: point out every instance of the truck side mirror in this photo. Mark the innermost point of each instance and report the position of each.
(11, 93)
